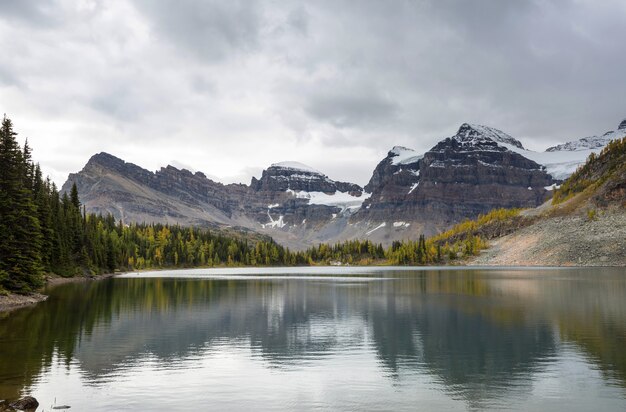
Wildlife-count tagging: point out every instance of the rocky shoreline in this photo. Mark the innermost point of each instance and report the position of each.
(13, 301)
(575, 240)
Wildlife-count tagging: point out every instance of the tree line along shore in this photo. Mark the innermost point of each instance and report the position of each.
(46, 233)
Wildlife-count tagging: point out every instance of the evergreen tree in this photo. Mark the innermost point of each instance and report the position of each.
(42, 192)
(74, 197)
(20, 233)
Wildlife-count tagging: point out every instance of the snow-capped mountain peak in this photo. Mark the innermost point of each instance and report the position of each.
(401, 155)
(622, 125)
(476, 134)
(586, 143)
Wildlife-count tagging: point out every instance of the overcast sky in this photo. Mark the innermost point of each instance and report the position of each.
(229, 87)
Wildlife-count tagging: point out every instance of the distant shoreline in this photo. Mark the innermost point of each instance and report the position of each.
(14, 301)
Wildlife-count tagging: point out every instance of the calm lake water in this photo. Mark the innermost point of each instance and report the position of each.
(325, 339)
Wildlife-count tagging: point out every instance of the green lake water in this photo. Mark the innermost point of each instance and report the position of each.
(347, 339)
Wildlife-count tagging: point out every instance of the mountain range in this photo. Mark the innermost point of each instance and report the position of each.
(410, 193)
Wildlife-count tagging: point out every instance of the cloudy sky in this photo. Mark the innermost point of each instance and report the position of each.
(228, 87)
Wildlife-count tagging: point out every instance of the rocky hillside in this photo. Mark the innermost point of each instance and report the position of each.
(107, 184)
(290, 201)
(585, 224)
(569, 240)
(602, 179)
(409, 193)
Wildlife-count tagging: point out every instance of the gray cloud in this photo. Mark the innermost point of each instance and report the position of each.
(210, 30)
(228, 87)
(7, 77)
(359, 108)
(32, 12)
(298, 19)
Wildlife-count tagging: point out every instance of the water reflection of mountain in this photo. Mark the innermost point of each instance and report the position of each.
(286, 322)
(478, 348)
(479, 335)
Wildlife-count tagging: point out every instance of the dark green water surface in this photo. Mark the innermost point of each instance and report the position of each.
(324, 339)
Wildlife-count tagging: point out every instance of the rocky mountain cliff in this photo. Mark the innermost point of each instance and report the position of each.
(477, 169)
(296, 201)
(108, 184)
(290, 201)
(295, 176)
(462, 176)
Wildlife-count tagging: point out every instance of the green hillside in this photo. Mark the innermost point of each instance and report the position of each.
(602, 178)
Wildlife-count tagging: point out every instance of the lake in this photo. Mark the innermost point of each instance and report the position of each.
(348, 339)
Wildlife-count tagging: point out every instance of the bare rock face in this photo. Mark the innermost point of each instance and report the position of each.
(470, 173)
(294, 176)
(107, 184)
(400, 167)
(288, 195)
(283, 196)
(196, 189)
(394, 179)
(460, 177)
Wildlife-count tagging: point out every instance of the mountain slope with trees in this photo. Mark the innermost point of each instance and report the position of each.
(584, 223)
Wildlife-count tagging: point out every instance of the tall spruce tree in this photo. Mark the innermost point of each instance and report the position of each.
(43, 192)
(20, 234)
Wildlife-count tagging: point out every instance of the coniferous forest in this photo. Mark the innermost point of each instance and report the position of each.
(44, 232)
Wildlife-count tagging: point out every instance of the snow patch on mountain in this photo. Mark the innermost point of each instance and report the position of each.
(560, 161)
(296, 166)
(591, 142)
(279, 223)
(403, 155)
(476, 133)
(308, 177)
(369, 232)
(413, 187)
(342, 200)
(559, 164)
(563, 160)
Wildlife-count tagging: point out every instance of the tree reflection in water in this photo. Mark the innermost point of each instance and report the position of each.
(481, 334)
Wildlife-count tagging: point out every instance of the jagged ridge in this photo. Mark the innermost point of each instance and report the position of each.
(477, 169)
(591, 142)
